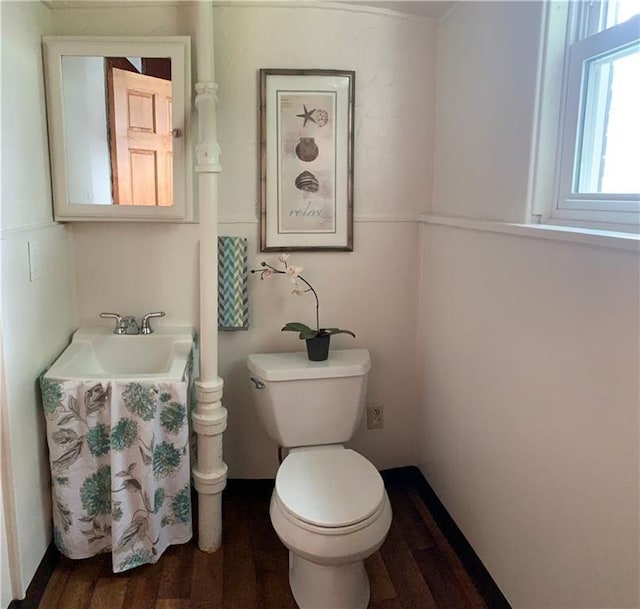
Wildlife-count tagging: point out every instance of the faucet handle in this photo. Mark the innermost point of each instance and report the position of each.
(120, 327)
(145, 326)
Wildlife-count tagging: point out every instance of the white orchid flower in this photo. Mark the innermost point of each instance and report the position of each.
(294, 270)
(297, 292)
(266, 274)
(283, 257)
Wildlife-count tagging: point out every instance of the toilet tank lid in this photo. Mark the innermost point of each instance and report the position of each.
(296, 366)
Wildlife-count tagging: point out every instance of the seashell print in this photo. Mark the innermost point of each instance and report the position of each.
(308, 182)
(307, 150)
(322, 117)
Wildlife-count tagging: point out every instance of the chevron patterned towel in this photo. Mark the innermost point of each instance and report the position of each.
(233, 299)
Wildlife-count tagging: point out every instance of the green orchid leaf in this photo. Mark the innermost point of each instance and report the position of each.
(304, 330)
(338, 331)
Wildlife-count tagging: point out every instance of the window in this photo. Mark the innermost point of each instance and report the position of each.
(598, 159)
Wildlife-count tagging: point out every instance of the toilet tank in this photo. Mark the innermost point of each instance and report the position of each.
(305, 403)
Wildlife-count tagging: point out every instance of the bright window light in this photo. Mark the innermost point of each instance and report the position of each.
(619, 11)
(609, 156)
(598, 165)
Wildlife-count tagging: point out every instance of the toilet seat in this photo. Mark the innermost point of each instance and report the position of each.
(341, 530)
(329, 490)
(330, 545)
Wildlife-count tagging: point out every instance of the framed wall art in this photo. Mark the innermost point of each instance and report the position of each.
(306, 160)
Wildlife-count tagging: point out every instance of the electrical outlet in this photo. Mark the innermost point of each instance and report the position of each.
(375, 416)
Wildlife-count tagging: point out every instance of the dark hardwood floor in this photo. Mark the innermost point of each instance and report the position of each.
(416, 568)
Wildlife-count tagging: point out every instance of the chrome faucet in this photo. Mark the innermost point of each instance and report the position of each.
(125, 324)
(145, 326)
(130, 325)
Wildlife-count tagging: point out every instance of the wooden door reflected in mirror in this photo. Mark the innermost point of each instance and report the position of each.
(140, 133)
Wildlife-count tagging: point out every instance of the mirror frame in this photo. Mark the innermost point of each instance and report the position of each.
(177, 48)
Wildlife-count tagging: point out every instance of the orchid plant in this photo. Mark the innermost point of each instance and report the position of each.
(300, 286)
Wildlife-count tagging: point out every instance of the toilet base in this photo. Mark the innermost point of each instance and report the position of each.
(314, 586)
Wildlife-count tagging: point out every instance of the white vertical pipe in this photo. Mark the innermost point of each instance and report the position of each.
(207, 169)
(209, 418)
(208, 190)
(204, 43)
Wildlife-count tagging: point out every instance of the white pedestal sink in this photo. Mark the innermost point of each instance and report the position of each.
(97, 353)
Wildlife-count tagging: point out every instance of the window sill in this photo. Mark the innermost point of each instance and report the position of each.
(584, 236)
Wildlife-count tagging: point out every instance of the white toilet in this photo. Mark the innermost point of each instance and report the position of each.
(329, 506)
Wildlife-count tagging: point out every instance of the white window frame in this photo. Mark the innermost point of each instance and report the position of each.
(564, 50)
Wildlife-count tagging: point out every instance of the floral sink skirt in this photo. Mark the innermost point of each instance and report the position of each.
(119, 455)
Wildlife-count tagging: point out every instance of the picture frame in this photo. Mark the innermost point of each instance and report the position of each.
(306, 160)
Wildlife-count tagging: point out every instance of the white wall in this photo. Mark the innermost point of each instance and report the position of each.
(486, 76)
(530, 423)
(37, 317)
(530, 358)
(372, 290)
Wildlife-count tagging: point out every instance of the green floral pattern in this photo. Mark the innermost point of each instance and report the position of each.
(167, 460)
(173, 417)
(51, 396)
(98, 440)
(58, 540)
(135, 559)
(158, 500)
(141, 400)
(124, 434)
(116, 513)
(181, 505)
(95, 492)
(120, 468)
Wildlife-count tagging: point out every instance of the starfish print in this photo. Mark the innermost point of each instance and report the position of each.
(307, 116)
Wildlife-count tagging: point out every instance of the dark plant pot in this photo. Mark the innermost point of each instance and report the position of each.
(318, 348)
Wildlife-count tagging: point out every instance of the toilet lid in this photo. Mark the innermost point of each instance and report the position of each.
(334, 487)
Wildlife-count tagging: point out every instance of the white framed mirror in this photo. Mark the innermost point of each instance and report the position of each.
(118, 112)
